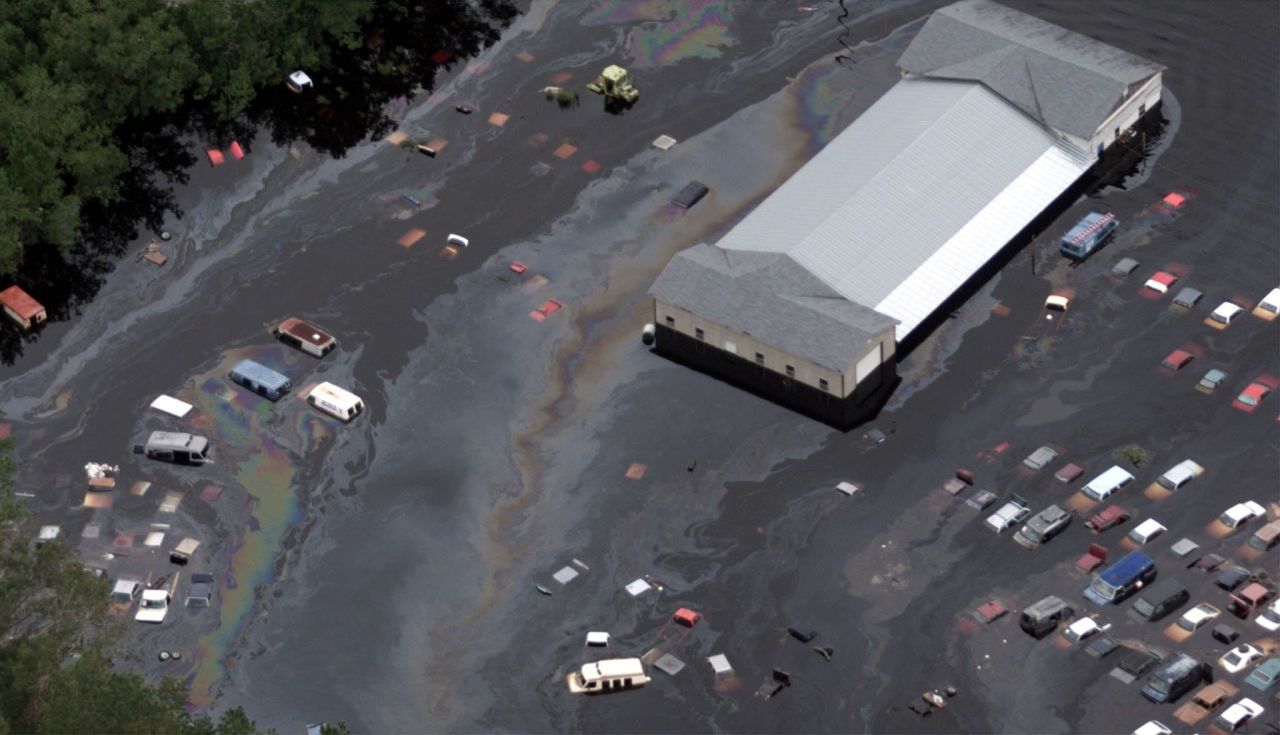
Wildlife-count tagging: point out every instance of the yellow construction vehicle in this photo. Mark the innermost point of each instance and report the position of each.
(615, 84)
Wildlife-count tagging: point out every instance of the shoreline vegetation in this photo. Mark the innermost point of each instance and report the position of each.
(107, 105)
(104, 106)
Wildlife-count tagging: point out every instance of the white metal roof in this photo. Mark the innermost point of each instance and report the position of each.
(915, 196)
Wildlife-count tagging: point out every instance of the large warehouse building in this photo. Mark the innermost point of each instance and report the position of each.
(997, 117)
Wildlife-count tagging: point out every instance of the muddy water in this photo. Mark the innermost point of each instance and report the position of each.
(383, 572)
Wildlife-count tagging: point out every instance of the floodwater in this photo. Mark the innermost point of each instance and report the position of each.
(383, 572)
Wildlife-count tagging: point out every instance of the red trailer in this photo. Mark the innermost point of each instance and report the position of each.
(21, 308)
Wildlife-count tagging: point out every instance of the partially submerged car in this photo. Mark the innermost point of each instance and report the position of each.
(1041, 457)
(1197, 617)
(201, 591)
(1240, 514)
(1160, 282)
(1043, 526)
(1056, 302)
(1083, 629)
(1135, 666)
(1251, 396)
(1270, 618)
(154, 607)
(981, 499)
(1176, 360)
(1109, 517)
(1244, 603)
(1265, 676)
(1009, 515)
(1069, 473)
(1238, 715)
(1211, 380)
(1239, 658)
(989, 612)
(1179, 474)
(1269, 306)
(1209, 698)
(1106, 484)
(1143, 533)
(178, 447)
(1221, 317)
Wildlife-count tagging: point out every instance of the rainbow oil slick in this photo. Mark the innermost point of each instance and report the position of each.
(262, 453)
(668, 32)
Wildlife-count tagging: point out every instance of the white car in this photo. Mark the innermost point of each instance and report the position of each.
(1225, 312)
(1010, 514)
(1082, 629)
(1270, 618)
(1239, 658)
(458, 240)
(1269, 307)
(1195, 618)
(154, 606)
(1238, 715)
(1144, 532)
(1238, 514)
(1153, 727)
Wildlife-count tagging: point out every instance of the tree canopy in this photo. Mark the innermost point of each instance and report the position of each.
(99, 101)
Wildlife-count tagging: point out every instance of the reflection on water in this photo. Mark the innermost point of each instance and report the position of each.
(264, 443)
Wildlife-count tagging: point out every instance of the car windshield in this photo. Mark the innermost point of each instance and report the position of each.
(1159, 686)
(1248, 400)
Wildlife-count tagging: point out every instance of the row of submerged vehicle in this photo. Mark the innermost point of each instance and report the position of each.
(192, 449)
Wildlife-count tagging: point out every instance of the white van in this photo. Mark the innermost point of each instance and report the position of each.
(610, 675)
(1269, 307)
(339, 403)
(1179, 475)
(1106, 484)
(1145, 531)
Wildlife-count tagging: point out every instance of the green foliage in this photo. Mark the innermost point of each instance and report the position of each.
(94, 95)
(1134, 454)
(56, 674)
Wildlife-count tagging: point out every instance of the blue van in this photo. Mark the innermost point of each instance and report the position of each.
(1121, 579)
(260, 379)
(1089, 234)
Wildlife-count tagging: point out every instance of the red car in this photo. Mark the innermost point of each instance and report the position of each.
(1250, 397)
(1176, 360)
(1160, 282)
(1110, 517)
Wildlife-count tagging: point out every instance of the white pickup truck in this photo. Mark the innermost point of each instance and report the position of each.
(1010, 514)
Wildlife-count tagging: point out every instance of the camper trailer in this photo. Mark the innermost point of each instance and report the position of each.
(339, 403)
(611, 675)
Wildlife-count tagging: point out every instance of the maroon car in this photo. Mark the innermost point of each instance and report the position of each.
(1112, 515)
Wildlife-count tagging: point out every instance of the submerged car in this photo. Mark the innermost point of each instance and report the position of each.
(1223, 315)
(1250, 397)
(1111, 516)
(1196, 618)
(1239, 658)
(1211, 380)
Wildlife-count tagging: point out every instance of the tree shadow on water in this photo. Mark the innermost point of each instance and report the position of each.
(405, 45)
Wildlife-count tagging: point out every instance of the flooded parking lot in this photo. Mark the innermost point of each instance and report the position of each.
(384, 572)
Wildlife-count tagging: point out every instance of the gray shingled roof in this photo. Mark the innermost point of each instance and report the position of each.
(1067, 81)
(772, 298)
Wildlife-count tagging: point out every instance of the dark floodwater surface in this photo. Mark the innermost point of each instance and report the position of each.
(383, 572)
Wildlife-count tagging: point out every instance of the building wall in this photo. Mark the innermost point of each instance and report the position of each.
(745, 346)
(1143, 101)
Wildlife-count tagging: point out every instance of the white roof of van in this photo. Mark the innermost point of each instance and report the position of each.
(1272, 298)
(336, 395)
(613, 667)
(1148, 527)
(1183, 470)
(1116, 474)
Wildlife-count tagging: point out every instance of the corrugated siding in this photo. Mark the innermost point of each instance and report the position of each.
(929, 162)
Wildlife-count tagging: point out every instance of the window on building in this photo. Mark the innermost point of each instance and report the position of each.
(791, 372)
(730, 347)
(697, 332)
(759, 358)
(822, 383)
(671, 322)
